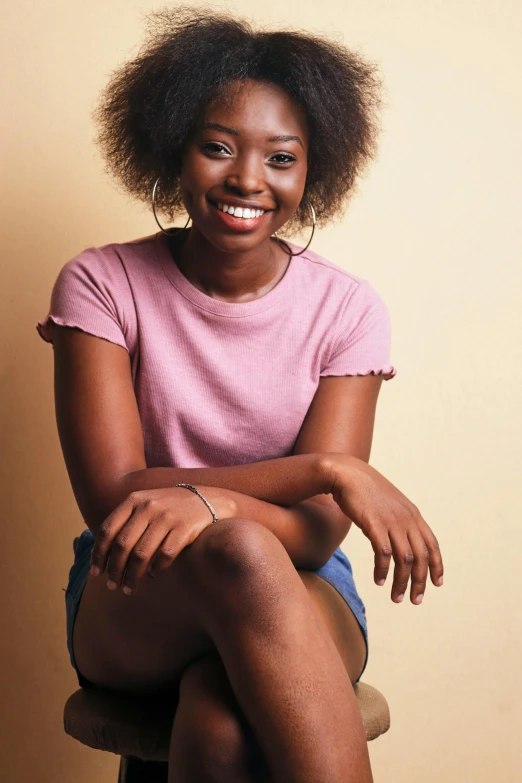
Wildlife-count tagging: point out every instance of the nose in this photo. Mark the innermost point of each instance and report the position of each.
(247, 176)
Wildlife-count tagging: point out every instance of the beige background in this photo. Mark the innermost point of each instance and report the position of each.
(436, 228)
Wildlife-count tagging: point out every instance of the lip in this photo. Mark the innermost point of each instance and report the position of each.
(237, 223)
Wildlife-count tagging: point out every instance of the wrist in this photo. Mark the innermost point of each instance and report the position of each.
(221, 500)
(334, 468)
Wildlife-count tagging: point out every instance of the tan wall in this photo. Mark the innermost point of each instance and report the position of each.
(436, 229)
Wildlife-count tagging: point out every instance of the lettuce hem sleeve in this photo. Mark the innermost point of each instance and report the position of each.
(44, 329)
(388, 372)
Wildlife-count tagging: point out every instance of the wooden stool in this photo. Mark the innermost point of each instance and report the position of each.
(138, 728)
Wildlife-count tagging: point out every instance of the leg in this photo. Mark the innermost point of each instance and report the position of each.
(236, 591)
(211, 739)
(339, 622)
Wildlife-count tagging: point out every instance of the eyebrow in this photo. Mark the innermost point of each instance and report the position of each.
(235, 132)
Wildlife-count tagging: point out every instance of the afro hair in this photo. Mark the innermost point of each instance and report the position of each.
(151, 104)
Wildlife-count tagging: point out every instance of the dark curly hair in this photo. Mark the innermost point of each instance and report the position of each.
(151, 104)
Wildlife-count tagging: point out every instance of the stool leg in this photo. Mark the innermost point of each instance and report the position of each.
(133, 770)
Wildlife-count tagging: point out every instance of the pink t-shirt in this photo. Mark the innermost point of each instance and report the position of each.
(222, 383)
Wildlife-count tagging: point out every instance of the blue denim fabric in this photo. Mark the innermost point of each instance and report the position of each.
(82, 546)
(337, 571)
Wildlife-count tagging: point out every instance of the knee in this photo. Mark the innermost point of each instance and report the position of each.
(234, 550)
(238, 567)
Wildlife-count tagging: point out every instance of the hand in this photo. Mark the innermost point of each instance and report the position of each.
(147, 531)
(394, 526)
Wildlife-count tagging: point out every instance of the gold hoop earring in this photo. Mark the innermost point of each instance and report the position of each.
(169, 232)
(280, 242)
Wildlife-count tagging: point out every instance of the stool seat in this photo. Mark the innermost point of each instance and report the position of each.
(140, 726)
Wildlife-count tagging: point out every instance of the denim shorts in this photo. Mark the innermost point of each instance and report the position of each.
(337, 571)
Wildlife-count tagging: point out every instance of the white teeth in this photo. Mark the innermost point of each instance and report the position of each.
(239, 211)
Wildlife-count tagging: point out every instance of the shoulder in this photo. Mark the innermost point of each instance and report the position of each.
(93, 291)
(107, 269)
(322, 267)
(113, 256)
(348, 289)
(360, 320)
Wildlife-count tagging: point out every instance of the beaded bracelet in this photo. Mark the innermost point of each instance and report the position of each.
(198, 493)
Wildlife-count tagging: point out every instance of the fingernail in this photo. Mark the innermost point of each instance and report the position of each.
(400, 597)
(127, 590)
(95, 571)
(418, 599)
(111, 585)
(381, 581)
(440, 580)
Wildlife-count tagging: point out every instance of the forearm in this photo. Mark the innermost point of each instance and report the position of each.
(274, 493)
(285, 481)
(310, 530)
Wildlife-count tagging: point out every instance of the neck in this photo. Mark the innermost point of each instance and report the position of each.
(233, 277)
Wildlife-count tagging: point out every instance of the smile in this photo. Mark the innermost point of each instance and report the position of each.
(240, 219)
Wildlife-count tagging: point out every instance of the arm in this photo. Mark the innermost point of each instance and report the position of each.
(101, 437)
(102, 442)
(340, 421)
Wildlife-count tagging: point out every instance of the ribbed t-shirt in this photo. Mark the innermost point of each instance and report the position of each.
(222, 383)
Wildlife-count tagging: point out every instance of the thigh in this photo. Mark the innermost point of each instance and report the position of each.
(145, 641)
(339, 621)
(142, 642)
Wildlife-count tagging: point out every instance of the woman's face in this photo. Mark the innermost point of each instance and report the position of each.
(252, 155)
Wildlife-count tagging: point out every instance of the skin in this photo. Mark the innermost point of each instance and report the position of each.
(239, 267)
(253, 706)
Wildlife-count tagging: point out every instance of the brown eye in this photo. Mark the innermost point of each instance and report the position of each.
(289, 158)
(214, 147)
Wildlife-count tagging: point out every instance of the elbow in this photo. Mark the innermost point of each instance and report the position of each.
(320, 528)
(93, 518)
(334, 532)
(95, 510)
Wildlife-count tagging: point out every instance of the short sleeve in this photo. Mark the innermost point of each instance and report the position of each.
(92, 293)
(362, 345)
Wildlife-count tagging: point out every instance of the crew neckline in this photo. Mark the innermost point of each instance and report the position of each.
(217, 306)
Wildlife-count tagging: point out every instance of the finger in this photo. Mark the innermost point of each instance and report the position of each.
(167, 552)
(123, 545)
(174, 543)
(436, 565)
(404, 558)
(381, 546)
(107, 531)
(143, 555)
(419, 571)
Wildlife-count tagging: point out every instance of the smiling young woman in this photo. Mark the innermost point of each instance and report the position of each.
(216, 389)
(235, 160)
